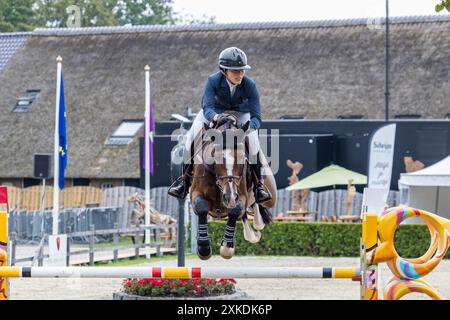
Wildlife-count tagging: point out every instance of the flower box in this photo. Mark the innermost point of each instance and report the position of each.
(179, 289)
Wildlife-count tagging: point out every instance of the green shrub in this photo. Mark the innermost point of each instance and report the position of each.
(318, 239)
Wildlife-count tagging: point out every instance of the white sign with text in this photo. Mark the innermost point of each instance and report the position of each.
(381, 155)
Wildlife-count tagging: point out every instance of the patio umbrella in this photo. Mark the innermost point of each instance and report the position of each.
(329, 176)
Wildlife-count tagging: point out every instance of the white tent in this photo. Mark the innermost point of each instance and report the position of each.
(429, 188)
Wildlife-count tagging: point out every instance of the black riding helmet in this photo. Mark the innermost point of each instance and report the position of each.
(233, 58)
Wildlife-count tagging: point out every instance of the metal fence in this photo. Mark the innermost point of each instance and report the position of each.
(327, 203)
(32, 225)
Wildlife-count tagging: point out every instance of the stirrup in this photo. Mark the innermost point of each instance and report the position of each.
(180, 183)
(264, 199)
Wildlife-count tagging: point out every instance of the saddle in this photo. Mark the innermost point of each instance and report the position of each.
(268, 183)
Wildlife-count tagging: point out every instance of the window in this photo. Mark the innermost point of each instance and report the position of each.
(106, 185)
(24, 102)
(407, 116)
(350, 117)
(81, 182)
(292, 116)
(125, 132)
(132, 183)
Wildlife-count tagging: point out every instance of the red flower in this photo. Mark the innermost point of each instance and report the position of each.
(199, 290)
(232, 280)
(172, 285)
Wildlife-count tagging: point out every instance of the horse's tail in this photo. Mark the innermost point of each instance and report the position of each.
(265, 214)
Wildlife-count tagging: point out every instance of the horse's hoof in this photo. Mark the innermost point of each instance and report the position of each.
(226, 252)
(204, 252)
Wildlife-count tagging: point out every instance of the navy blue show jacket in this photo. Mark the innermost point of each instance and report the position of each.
(217, 98)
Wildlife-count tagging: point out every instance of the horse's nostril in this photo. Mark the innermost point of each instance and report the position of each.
(226, 198)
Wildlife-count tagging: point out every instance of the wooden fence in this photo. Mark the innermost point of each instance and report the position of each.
(73, 197)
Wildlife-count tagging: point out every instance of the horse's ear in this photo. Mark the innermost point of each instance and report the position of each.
(246, 126)
(289, 163)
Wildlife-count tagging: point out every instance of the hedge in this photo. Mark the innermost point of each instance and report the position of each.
(318, 239)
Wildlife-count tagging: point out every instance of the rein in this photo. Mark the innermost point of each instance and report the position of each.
(235, 179)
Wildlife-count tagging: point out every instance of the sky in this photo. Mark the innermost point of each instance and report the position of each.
(227, 11)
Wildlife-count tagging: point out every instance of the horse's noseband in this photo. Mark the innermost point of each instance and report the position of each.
(235, 179)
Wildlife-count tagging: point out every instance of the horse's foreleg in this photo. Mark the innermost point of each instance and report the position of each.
(228, 239)
(201, 209)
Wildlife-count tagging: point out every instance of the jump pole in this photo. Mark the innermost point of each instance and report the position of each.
(181, 272)
(4, 283)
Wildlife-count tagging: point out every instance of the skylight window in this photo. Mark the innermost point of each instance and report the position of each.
(24, 102)
(125, 133)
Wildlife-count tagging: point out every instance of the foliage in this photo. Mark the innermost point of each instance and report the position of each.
(16, 15)
(25, 15)
(179, 287)
(53, 13)
(444, 4)
(318, 239)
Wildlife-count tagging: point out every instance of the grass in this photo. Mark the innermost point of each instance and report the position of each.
(130, 262)
(123, 242)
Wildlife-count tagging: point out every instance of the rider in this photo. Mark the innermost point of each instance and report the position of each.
(228, 90)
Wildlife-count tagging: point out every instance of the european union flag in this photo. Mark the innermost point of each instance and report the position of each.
(62, 149)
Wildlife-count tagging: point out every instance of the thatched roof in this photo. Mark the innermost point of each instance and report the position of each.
(319, 69)
(9, 43)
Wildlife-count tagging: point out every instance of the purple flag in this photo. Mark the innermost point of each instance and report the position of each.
(152, 132)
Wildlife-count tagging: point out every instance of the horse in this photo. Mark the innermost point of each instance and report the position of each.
(222, 187)
(138, 215)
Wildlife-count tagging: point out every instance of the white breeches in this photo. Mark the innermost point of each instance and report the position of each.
(242, 118)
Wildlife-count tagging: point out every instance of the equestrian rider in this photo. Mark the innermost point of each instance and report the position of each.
(228, 90)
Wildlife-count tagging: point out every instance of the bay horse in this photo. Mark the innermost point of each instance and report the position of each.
(222, 187)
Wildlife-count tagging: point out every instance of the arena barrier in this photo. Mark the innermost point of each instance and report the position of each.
(377, 246)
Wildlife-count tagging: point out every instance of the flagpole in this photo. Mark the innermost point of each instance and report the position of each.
(147, 160)
(56, 149)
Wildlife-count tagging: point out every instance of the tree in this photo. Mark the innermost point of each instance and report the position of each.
(182, 18)
(143, 12)
(445, 4)
(52, 13)
(16, 15)
(24, 15)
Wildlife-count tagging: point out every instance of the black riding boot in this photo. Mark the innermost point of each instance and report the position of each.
(261, 195)
(180, 187)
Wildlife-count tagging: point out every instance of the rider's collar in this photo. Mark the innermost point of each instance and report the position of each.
(231, 84)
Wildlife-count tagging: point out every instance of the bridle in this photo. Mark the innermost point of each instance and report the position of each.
(236, 180)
